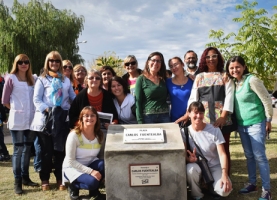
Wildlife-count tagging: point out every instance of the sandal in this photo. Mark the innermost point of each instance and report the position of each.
(45, 185)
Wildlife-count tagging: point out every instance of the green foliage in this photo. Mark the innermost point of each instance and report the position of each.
(109, 59)
(36, 28)
(256, 41)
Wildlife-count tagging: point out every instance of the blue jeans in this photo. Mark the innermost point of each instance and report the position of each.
(37, 158)
(88, 182)
(22, 142)
(156, 118)
(253, 142)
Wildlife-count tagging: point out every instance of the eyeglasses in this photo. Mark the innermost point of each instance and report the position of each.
(52, 60)
(26, 62)
(132, 63)
(80, 71)
(69, 67)
(89, 116)
(214, 56)
(94, 78)
(174, 65)
(157, 61)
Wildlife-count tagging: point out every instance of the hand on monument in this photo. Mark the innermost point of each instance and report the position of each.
(192, 156)
(96, 174)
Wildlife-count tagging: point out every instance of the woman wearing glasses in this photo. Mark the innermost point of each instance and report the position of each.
(133, 72)
(68, 70)
(215, 91)
(18, 97)
(179, 88)
(107, 73)
(93, 95)
(151, 92)
(52, 94)
(80, 73)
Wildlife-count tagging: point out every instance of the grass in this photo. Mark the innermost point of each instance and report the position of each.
(238, 176)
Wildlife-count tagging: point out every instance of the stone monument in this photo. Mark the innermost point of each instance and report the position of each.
(142, 170)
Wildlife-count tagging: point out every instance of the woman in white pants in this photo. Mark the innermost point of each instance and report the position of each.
(210, 141)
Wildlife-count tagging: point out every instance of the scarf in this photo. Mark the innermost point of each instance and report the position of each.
(56, 88)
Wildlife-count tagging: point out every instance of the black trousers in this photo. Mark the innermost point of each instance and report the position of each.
(50, 158)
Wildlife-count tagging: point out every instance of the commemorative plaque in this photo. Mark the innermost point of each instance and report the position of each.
(145, 174)
(143, 135)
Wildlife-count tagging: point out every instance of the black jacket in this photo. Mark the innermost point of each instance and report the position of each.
(81, 101)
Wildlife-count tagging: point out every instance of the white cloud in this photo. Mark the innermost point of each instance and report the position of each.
(141, 27)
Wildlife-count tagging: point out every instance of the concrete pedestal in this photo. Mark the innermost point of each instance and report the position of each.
(169, 154)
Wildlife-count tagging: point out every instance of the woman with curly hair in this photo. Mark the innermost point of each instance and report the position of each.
(215, 90)
(81, 165)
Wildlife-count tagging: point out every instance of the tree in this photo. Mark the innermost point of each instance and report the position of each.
(36, 29)
(256, 41)
(109, 59)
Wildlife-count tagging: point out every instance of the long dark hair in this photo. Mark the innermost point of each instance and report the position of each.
(162, 72)
(121, 81)
(238, 59)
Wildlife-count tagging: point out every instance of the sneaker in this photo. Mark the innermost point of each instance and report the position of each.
(266, 195)
(248, 188)
(5, 157)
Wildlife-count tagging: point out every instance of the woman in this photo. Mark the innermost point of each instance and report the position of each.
(123, 101)
(81, 166)
(215, 90)
(254, 114)
(210, 141)
(151, 92)
(80, 73)
(131, 65)
(94, 95)
(18, 97)
(53, 92)
(179, 88)
(68, 70)
(107, 73)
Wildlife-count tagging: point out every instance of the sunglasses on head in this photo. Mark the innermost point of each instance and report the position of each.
(52, 60)
(26, 62)
(132, 63)
(69, 67)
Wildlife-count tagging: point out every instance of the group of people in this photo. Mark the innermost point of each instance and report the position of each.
(210, 101)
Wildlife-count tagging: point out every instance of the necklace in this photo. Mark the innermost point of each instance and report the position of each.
(182, 83)
(20, 79)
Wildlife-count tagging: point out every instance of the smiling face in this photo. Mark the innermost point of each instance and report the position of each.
(54, 63)
(236, 70)
(176, 67)
(23, 64)
(117, 89)
(196, 117)
(212, 60)
(131, 65)
(93, 80)
(89, 118)
(67, 68)
(154, 64)
(80, 73)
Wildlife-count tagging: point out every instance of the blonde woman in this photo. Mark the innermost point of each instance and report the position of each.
(53, 92)
(18, 97)
(68, 70)
(80, 73)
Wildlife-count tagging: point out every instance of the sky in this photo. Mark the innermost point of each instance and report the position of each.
(140, 27)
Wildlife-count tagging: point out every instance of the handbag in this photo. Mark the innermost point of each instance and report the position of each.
(202, 162)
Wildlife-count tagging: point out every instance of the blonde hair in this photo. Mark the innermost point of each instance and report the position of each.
(29, 74)
(56, 55)
(65, 62)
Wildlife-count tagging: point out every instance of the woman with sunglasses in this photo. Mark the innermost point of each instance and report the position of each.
(80, 73)
(133, 72)
(93, 95)
(81, 165)
(68, 70)
(254, 114)
(107, 73)
(53, 92)
(151, 92)
(215, 91)
(18, 97)
(123, 100)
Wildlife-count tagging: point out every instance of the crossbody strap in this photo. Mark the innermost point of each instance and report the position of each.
(197, 147)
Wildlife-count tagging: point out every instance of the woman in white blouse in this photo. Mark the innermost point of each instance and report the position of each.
(81, 165)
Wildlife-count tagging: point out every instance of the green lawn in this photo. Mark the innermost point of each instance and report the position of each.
(238, 176)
